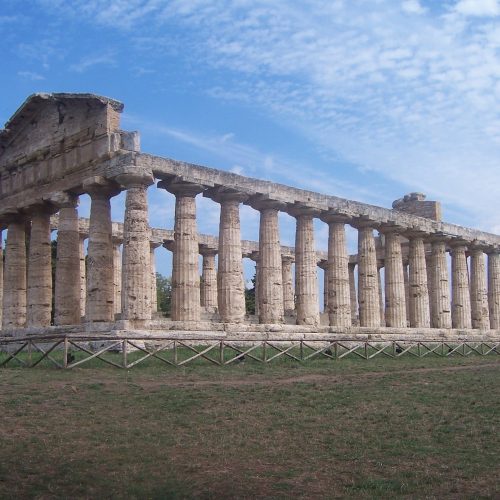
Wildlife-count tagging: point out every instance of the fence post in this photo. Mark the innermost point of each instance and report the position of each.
(65, 359)
(124, 353)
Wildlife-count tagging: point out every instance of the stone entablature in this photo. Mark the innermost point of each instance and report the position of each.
(414, 291)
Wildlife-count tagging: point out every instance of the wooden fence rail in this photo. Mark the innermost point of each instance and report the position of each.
(127, 352)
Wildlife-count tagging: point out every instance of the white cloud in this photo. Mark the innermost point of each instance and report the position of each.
(412, 7)
(93, 60)
(478, 7)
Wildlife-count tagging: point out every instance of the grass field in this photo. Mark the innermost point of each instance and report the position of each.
(407, 427)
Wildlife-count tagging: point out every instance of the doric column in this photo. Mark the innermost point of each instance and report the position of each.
(306, 277)
(288, 295)
(441, 309)
(117, 274)
(395, 301)
(14, 286)
(230, 285)
(419, 293)
(136, 253)
(67, 280)
(270, 291)
(338, 289)
(368, 296)
(353, 293)
(208, 284)
(407, 291)
(429, 265)
(83, 273)
(478, 289)
(494, 287)
(185, 266)
(39, 291)
(256, 258)
(99, 305)
(323, 264)
(381, 301)
(460, 292)
(153, 245)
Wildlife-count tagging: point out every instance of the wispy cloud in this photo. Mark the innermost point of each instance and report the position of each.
(90, 61)
(30, 75)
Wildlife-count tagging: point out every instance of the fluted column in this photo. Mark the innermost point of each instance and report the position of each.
(429, 265)
(419, 293)
(117, 274)
(381, 301)
(368, 296)
(208, 291)
(67, 279)
(338, 288)
(154, 291)
(353, 293)
(185, 266)
(494, 287)
(395, 300)
(306, 278)
(460, 292)
(323, 264)
(270, 291)
(39, 291)
(288, 295)
(14, 286)
(99, 305)
(83, 273)
(407, 292)
(479, 290)
(230, 284)
(254, 256)
(441, 309)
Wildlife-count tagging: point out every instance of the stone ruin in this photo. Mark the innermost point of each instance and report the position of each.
(57, 147)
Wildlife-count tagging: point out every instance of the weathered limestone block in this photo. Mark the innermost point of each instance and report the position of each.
(208, 284)
(353, 294)
(494, 287)
(136, 254)
(288, 295)
(39, 293)
(368, 295)
(338, 288)
(14, 298)
(441, 310)
(306, 279)
(270, 296)
(230, 285)
(67, 291)
(395, 300)
(419, 293)
(460, 301)
(99, 305)
(479, 290)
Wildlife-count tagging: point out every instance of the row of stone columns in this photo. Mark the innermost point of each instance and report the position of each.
(420, 295)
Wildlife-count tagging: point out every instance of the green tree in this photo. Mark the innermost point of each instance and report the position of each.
(250, 298)
(164, 293)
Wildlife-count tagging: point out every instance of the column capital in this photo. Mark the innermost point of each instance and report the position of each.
(391, 228)
(492, 249)
(416, 234)
(287, 258)
(300, 210)
(364, 223)
(63, 199)
(458, 244)
(155, 244)
(206, 250)
(335, 217)
(10, 215)
(40, 206)
(99, 186)
(438, 238)
(255, 256)
(117, 240)
(323, 264)
(133, 176)
(260, 202)
(182, 188)
(169, 244)
(221, 194)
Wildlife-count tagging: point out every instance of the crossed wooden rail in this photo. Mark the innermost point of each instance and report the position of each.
(63, 352)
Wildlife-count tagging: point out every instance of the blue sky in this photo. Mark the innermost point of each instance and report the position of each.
(364, 99)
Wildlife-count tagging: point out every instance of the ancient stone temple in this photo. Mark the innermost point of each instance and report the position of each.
(413, 274)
